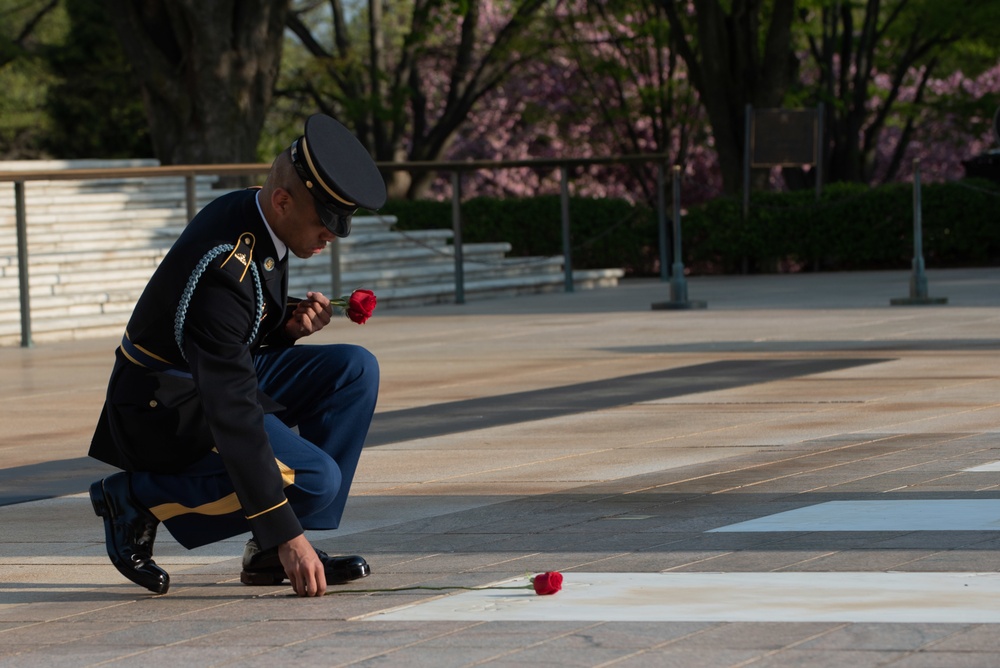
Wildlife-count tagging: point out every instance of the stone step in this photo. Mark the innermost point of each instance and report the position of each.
(77, 163)
(96, 238)
(79, 287)
(39, 210)
(49, 263)
(129, 281)
(98, 218)
(129, 275)
(111, 190)
(113, 315)
(403, 256)
(509, 286)
(385, 247)
(94, 245)
(417, 278)
(42, 227)
(51, 308)
(362, 238)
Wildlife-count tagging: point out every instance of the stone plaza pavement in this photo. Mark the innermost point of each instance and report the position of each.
(798, 475)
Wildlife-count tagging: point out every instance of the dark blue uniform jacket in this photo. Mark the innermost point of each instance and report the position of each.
(184, 381)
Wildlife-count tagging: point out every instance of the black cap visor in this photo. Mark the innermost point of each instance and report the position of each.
(336, 220)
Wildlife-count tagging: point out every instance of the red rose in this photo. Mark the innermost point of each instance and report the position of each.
(360, 306)
(547, 583)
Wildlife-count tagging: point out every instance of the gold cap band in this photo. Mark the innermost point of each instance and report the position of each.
(312, 169)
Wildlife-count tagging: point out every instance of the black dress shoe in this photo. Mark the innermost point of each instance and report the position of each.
(129, 532)
(263, 567)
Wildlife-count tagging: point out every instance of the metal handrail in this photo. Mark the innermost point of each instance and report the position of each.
(191, 172)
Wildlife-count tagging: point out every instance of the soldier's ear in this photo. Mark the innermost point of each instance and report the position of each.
(281, 201)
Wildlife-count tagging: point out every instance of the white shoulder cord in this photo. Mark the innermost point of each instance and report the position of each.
(192, 283)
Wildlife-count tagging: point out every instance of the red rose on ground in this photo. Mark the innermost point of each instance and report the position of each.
(361, 305)
(547, 583)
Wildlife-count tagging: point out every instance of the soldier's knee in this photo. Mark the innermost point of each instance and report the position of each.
(317, 489)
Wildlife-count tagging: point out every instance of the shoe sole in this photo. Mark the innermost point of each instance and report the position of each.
(264, 578)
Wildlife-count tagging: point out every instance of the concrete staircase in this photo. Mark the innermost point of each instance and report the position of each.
(93, 245)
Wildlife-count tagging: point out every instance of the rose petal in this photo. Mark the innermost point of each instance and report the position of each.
(360, 305)
(547, 583)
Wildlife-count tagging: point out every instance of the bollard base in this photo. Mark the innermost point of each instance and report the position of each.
(678, 306)
(917, 301)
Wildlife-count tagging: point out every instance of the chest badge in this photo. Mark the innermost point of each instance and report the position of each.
(269, 264)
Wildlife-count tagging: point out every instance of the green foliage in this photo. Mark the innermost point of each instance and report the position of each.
(96, 109)
(27, 29)
(973, 25)
(852, 226)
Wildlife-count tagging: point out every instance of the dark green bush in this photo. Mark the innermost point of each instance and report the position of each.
(851, 227)
(603, 232)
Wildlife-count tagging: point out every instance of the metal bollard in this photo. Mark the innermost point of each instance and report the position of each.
(678, 284)
(918, 277)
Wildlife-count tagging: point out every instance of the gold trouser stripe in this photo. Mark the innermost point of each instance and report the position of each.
(225, 505)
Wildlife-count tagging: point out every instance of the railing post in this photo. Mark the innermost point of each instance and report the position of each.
(747, 148)
(335, 287)
(22, 263)
(567, 248)
(678, 284)
(456, 226)
(190, 196)
(918, 280)
(661, 219)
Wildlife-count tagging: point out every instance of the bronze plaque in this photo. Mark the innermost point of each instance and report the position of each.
(783, 137)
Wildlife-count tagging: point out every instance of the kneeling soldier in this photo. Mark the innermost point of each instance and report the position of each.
(221, 424)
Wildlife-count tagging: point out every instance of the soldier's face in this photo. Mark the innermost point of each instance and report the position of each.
(305, 234)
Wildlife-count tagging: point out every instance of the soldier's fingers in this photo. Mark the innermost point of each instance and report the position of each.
(310, 587)
(321, 583)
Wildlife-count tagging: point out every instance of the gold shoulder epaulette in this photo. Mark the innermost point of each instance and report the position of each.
(238, 261)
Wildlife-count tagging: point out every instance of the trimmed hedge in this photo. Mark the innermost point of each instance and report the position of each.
(603, 232)
(851, 227)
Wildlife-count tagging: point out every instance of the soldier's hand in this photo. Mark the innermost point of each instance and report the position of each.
(310, 315)
(303, 567)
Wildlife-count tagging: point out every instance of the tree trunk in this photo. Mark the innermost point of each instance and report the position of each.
(207, 72)
(729, 71)
(901, 41)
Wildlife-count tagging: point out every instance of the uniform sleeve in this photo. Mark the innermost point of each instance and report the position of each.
(218, 322)
(278, 337)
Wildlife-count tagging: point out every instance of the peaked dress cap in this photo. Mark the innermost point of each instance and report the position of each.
(338, 171)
